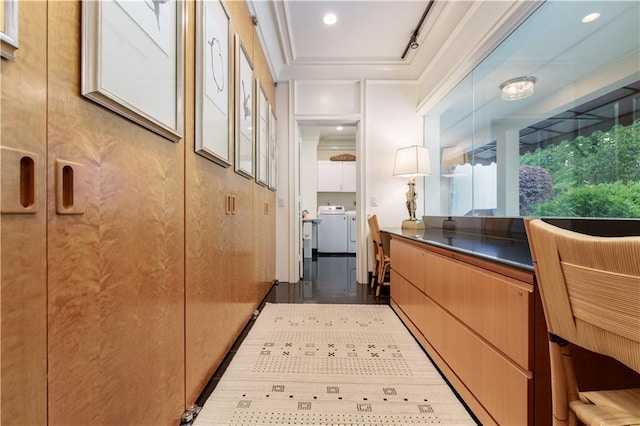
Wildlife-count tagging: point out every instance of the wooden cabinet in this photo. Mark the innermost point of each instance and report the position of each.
(336, 176)
(478, 322)
(119, 314)
(23, 246)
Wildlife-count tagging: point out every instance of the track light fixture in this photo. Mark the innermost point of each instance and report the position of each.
(413, 41)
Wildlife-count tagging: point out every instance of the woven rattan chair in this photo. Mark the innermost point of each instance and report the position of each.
(382, 261)
(590, 289)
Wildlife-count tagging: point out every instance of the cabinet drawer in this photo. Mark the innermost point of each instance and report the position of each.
(500, 387)
(409, 262)
(496, 307)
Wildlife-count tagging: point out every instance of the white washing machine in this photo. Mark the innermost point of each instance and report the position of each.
(332, 230)
(352, 231)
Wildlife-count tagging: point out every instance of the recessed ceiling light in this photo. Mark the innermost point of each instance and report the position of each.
(517, 88)
(329, 19)
(339, 128)
(590, 17)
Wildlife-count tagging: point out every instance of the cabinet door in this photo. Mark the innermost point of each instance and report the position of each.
(348, 176)
(23, 242)
(329, 176)
(116, 274)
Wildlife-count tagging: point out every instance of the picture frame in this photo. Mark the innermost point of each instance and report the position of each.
(115, 73)
(8, 29)
(262, 137)
(272, 150)
(245, 115)
(214, 101)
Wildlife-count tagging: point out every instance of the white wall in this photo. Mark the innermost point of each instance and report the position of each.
(391, 122)
(309, 174)
(304, 102)
(284, 171)
(389, 118)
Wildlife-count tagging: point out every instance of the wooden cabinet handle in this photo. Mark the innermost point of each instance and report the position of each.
(70, 187)
(19, 181)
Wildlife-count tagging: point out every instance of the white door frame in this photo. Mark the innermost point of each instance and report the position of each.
(295, 254)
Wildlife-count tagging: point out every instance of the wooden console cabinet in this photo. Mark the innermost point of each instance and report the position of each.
(482, 324)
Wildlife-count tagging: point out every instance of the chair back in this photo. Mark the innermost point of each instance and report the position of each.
(590, 289)
(374, 228)
(381, 243)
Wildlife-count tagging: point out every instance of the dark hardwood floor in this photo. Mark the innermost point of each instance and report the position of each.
(327, 279)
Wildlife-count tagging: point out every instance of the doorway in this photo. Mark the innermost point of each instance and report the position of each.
(328, 170)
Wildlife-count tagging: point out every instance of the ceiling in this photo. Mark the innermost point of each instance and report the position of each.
(331, 136)
(370, 40)
(370, 36)
(367, 41)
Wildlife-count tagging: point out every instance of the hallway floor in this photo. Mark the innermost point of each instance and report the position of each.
(331, 364)
(326, 279)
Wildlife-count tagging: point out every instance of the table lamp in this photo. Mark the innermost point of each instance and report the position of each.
(412, 161)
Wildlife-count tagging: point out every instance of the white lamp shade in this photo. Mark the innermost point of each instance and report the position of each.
(412, 161)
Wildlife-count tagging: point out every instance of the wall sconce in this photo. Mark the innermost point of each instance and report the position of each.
(412, 161)
(517, 88)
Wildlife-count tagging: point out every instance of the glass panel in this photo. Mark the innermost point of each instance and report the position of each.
(448, 130)
(548, 124)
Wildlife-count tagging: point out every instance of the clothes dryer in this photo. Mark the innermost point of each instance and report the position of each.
(352, 232)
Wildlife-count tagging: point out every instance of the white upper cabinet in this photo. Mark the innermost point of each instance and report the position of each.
(348, 176)
(336, 176)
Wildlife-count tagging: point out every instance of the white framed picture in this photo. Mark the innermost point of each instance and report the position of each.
(244, 111)
(272, 150)
(8, 28)
(132, 61)
(214, 102)
(262, 137)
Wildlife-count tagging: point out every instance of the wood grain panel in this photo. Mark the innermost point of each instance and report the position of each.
(207, 253)
(474, 323)
(409, 262)
(271, 246)
(496, 307)
(503, 390)
(266, 213)
(474, 405)
(227, 256)
(499, 268)
(23, 273)
(116, 273)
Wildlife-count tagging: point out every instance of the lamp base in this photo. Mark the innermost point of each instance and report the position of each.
(412, 224)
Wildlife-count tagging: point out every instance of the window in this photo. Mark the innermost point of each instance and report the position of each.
(548, 124)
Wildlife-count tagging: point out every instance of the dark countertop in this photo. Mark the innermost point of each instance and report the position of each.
(509, 251)
(503, 239)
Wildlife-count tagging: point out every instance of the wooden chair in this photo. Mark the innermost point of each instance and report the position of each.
(382, 261)
(374, 245)
(590, 290)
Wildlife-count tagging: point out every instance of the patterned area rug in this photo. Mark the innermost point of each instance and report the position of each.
(305, 364)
